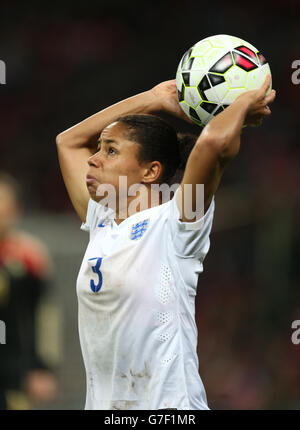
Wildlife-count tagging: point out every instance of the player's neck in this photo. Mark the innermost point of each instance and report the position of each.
(134, 205)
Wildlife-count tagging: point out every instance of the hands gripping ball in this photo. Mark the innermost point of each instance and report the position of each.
(214, 72)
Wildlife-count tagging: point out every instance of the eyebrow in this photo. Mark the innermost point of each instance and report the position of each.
(108, 141)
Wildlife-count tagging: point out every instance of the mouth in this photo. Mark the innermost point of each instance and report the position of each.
(90, 179)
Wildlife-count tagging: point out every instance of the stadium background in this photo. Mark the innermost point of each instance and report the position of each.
(65, 61)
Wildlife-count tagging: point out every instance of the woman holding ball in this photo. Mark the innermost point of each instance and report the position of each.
(137, 283)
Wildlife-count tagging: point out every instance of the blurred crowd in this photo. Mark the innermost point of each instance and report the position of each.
(67, 62)
(25, 267)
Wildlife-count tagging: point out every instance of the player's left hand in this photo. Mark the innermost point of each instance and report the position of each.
(167, 100)
(259, 102)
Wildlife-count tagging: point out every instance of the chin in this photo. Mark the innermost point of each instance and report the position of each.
(92, 193)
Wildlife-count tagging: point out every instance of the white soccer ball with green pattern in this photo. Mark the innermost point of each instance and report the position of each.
(214, 72)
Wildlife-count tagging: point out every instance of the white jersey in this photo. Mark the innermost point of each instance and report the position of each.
(136, 290)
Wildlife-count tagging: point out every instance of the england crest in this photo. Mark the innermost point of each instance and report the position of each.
(137, 230)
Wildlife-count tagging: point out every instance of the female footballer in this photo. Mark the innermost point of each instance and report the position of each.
(137, 283)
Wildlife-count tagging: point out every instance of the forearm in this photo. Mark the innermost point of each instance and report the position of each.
(225, 129)
(86, 133)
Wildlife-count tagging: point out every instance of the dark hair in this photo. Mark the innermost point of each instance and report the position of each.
(159, 141)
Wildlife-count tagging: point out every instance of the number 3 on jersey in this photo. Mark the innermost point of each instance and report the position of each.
(96, 269)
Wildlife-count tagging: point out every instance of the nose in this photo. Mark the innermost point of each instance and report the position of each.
(95, 159)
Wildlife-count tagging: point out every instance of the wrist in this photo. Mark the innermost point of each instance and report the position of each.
(154, 104)
(244, 101)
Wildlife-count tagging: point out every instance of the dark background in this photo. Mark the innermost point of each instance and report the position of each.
(66, 61)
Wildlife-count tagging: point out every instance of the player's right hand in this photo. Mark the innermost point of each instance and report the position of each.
(258, 103)
(165, 94)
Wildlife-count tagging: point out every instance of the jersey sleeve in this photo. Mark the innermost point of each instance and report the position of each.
(96, 213)
(191, 239)
(91, 217)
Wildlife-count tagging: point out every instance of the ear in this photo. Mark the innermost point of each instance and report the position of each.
(152, 172)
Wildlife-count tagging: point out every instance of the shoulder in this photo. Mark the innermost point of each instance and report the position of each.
(96, 213)
(198, 216)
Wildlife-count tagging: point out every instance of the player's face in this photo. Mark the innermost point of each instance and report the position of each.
(116, 156)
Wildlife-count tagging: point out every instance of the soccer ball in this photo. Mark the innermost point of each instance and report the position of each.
(214, 72)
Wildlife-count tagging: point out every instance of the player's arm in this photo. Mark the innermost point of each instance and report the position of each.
(218, 143)
(79, 142)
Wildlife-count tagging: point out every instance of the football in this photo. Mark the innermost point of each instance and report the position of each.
(214, 72)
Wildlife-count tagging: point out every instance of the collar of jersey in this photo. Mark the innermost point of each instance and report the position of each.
(107, 216)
